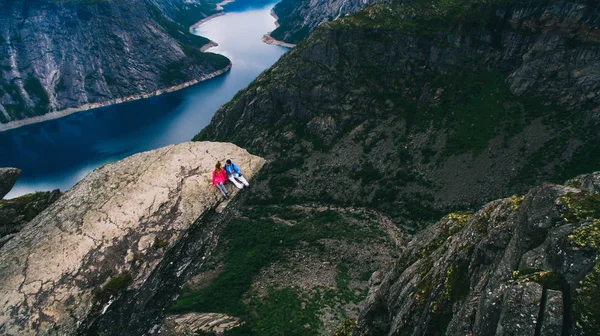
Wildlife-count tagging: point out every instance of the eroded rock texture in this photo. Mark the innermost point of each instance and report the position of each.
(519, 266)
(104, 257)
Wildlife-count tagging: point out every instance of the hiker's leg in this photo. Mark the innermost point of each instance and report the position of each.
(237, 184)
(221, 188)
(241, 179)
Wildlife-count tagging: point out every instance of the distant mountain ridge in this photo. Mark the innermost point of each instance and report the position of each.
(59, 55)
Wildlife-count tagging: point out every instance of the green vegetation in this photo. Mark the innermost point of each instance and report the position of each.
(252, 243)
(544, 278)
(346, 327)
(586, 302)
(26, 205)
(582, 207)
(160, 243)
(424, 16)
(113, 287)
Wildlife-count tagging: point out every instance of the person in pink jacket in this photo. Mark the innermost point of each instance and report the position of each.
(219, 178)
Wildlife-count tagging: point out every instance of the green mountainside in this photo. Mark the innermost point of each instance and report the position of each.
(407, 112)
(416, 110)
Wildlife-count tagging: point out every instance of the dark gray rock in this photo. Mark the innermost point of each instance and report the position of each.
(497, 271)
(8, 177)
(553, 313)
(589, 182)
(520, 309)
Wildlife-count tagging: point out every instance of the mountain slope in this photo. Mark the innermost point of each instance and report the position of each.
(59, 55)
(415, 109)
(297, 19)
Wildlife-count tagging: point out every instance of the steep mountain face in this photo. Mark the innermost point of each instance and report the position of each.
(108, 256)
(64, 55)
(519, 266)
(420, 107)
(297, 19)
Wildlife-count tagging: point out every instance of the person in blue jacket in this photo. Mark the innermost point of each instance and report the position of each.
(235, 175)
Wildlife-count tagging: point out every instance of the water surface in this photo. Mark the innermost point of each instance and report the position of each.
(58, 153)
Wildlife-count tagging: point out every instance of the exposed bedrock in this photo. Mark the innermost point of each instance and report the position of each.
(108, 255)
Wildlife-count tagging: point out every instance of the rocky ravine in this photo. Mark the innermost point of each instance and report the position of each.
(109, 254)
(519, 266)
(72, 55)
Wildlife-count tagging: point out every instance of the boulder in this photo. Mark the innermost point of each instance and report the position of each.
(108, 235)
(8, 177)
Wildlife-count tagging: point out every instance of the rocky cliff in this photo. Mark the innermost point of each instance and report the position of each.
(111, 252)
(297, 19)
(69, 55)
(519, 266)
(417, 108)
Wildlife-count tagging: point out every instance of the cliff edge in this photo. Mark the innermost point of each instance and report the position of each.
(108, 236)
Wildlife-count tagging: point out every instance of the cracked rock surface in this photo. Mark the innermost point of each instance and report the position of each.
(107, 235)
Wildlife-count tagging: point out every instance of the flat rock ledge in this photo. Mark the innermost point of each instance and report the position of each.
(107, 234)
(198, 324)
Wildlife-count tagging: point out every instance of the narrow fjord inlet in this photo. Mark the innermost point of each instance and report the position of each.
(407, 167)
(58, 153)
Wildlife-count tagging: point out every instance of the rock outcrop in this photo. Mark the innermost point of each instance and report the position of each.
(8, 177)
(106, 257)
(17, 212)
(421, 107)
(63, 56)
(519, 266)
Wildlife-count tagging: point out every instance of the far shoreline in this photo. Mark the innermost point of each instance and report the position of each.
(86, 107)
(66, 112)
(268, 39)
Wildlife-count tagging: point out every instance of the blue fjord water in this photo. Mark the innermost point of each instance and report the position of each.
(58, 153)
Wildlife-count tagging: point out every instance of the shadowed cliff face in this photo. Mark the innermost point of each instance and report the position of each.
(109, 254)
(297, 19)
(416, 109)
(519, 266)
(58, 55)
